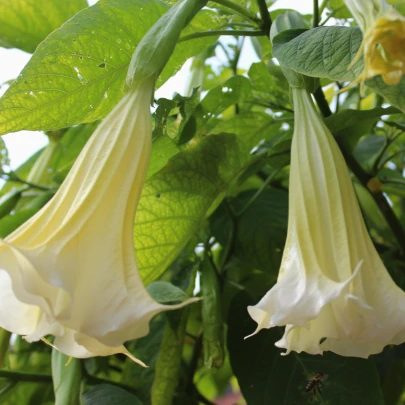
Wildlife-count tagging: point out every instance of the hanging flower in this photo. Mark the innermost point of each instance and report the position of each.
(383, 40)
(333, 291)
(70, 271)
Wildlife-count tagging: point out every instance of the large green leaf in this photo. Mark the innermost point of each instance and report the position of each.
(266, 377)
(320, 52)
(106, 394)
(327, 52)
(26, 23)
(77, 74)
(176, 200)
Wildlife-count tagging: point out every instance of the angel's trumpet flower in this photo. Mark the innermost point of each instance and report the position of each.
(70, 271)
(333, 291)
(383, 40)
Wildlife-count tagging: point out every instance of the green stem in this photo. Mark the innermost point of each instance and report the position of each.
(338, 97)
(322, 6)
(380, 164)
(234, 33)
(364, 178)
(322, 103)
(234, 63)
(235, 60)
(390, 157)
(271, 105)
(237, 24)
(316, 14)
(24, 376)
(395, 181)
(264, 12)
(240, 10)
(377, 162)
(15, 178)
(223, 47)
(332, 14)
(39, 377)
(258, 192)
(96, 381)
(92, 380)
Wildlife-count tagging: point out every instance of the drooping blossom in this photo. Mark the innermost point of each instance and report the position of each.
(333, 292)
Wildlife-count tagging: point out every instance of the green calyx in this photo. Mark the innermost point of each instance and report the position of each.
(156, 47)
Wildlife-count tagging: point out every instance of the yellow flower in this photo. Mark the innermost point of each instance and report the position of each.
(383, 40)
(70, 271)
(333, 292)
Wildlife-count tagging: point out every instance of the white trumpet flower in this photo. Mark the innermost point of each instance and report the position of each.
(383, 40)
(333, 292)
(70, 271)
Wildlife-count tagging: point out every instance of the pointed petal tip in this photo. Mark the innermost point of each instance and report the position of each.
(134, 359)
(191, 300)
(254, 333)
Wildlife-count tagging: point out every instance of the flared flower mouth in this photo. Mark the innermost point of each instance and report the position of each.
(70, 271)
(383, 41)
(333, 291)
(384, 49)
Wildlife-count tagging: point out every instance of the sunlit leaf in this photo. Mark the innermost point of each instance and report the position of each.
(26, 23)
(176, 200)
(77, 74)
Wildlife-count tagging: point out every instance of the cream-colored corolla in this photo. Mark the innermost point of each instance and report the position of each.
(383, 40)
(333, 291)
(70, 271)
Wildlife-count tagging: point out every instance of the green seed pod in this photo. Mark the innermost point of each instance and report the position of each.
(212, 316)
(4, 344)
(67, 377)
(168, 363)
